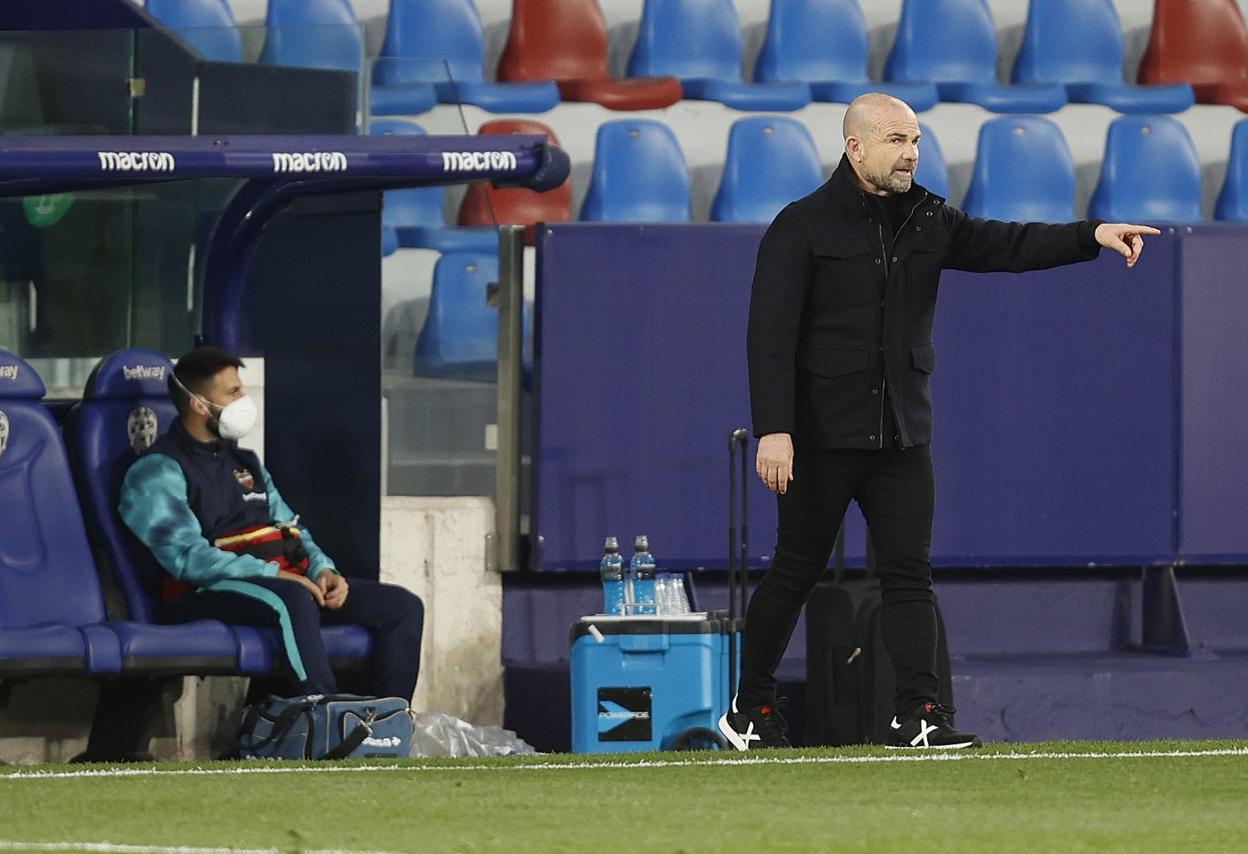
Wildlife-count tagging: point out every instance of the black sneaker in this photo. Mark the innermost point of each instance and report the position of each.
(754, 728)
(930, 726)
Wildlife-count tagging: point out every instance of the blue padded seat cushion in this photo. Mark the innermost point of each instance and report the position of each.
(791, 95)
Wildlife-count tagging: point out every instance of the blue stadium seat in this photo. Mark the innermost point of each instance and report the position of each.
(953, 43)
(206, 25)
(1150, 173)
(125, 407)
(824, 43)
(413, 218)
(771, 161)
(327, 34)
(639, 174)
(423, 37)
(1023, 172)
(932, 172)
(460, 337)
(1233, 199)
(50, 600)
(1079, 43)
(699, 41)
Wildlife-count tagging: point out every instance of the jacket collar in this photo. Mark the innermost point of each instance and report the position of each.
(192, 445)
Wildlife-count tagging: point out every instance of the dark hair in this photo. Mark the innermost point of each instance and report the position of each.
(195, 370)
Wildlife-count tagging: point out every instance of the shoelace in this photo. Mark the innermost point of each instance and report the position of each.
(940, 710)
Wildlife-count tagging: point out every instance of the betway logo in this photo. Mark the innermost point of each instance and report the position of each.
(136, 161)
(143, 372)
(310, 161)
(478, 161)
(392, 741)
(8, 372)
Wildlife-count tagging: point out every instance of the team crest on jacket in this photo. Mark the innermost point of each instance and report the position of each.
(245, 479)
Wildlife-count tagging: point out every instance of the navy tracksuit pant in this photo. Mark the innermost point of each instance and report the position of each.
(394, 616)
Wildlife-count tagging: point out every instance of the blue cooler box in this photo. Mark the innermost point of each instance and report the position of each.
(649, 683)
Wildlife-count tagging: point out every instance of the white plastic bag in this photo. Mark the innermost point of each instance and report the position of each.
(438, 734)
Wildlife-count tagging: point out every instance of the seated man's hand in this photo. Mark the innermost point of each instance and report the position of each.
(334, 586)
(317, 593)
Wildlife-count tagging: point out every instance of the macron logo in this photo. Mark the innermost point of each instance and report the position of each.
(8, 372)
(478, 161)
(144, 372)
(136, 161)
(310, 161)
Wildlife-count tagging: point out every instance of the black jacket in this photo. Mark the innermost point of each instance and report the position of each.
(840, 327)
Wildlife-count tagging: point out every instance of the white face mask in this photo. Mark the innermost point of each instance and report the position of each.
(236, 418)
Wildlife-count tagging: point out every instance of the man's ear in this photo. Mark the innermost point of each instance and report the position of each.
(198, 405)
(853, 146)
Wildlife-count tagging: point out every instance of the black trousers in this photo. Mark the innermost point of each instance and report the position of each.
(394, 615)
(896, 491)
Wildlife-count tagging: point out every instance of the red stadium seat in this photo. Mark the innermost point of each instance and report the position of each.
(516, 205)
(566, 41)
(1202, 42)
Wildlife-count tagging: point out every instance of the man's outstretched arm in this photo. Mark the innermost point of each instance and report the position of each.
(987, 246)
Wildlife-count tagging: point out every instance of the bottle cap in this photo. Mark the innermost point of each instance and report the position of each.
(612, 544)
(642, 543)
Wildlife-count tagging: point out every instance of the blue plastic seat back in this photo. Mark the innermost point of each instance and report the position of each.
(1070, 41)
(932, 173)
(689, 39)
(460, 335)
(124, 409)
(1023, 172)
(417, 206)
(424, 33)
(771, 161)
(313, 34)
(1150, 173)
(47, 574)
(639, 174)
(814, 40)
(206, 25)
(945, 41)
(1233, 199)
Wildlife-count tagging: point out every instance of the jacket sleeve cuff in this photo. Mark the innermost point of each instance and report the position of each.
(1087, 236)
(317, 571)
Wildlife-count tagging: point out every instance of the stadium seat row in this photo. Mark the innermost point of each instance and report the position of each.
(52, 606)
(946, 50)
(1150, 172)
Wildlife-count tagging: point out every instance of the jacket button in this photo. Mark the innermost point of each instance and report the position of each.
(871, 437)
(875, 391)
(918, 228)
(929, 213)
(877, 260)
(894, 259)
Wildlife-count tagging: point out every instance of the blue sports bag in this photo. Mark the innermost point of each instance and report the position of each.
(319, 726)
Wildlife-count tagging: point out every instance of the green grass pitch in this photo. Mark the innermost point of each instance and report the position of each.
(1138, 797)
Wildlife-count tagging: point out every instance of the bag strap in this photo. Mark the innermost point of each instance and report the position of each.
(353, 740)
(281, 724)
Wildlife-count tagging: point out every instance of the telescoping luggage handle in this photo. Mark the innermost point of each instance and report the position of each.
(738, 541)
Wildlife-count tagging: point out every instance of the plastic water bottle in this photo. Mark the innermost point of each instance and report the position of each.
(642, 569)
(613, 598)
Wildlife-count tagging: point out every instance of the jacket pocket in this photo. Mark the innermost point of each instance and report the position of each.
(923, 357)
(832, 362)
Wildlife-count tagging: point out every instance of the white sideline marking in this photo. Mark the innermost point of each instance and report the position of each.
(10, 845)
(967, 755)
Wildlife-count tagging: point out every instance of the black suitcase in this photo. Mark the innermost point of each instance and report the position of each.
(849, 678)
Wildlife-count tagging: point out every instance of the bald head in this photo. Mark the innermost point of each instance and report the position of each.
(881, 141)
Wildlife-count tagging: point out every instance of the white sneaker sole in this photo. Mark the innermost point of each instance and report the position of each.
(959, 746)
(734, 737)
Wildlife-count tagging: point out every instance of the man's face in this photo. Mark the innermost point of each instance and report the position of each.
(890, 151)
(226, 388)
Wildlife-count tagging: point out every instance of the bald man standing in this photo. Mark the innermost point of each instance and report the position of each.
(840, 350)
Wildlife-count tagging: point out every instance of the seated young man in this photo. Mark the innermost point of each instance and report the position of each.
(235, 551)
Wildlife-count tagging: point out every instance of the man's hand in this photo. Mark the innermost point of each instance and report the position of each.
(1126, 240)
(774, 462)
(317, 593)
(334, 586)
